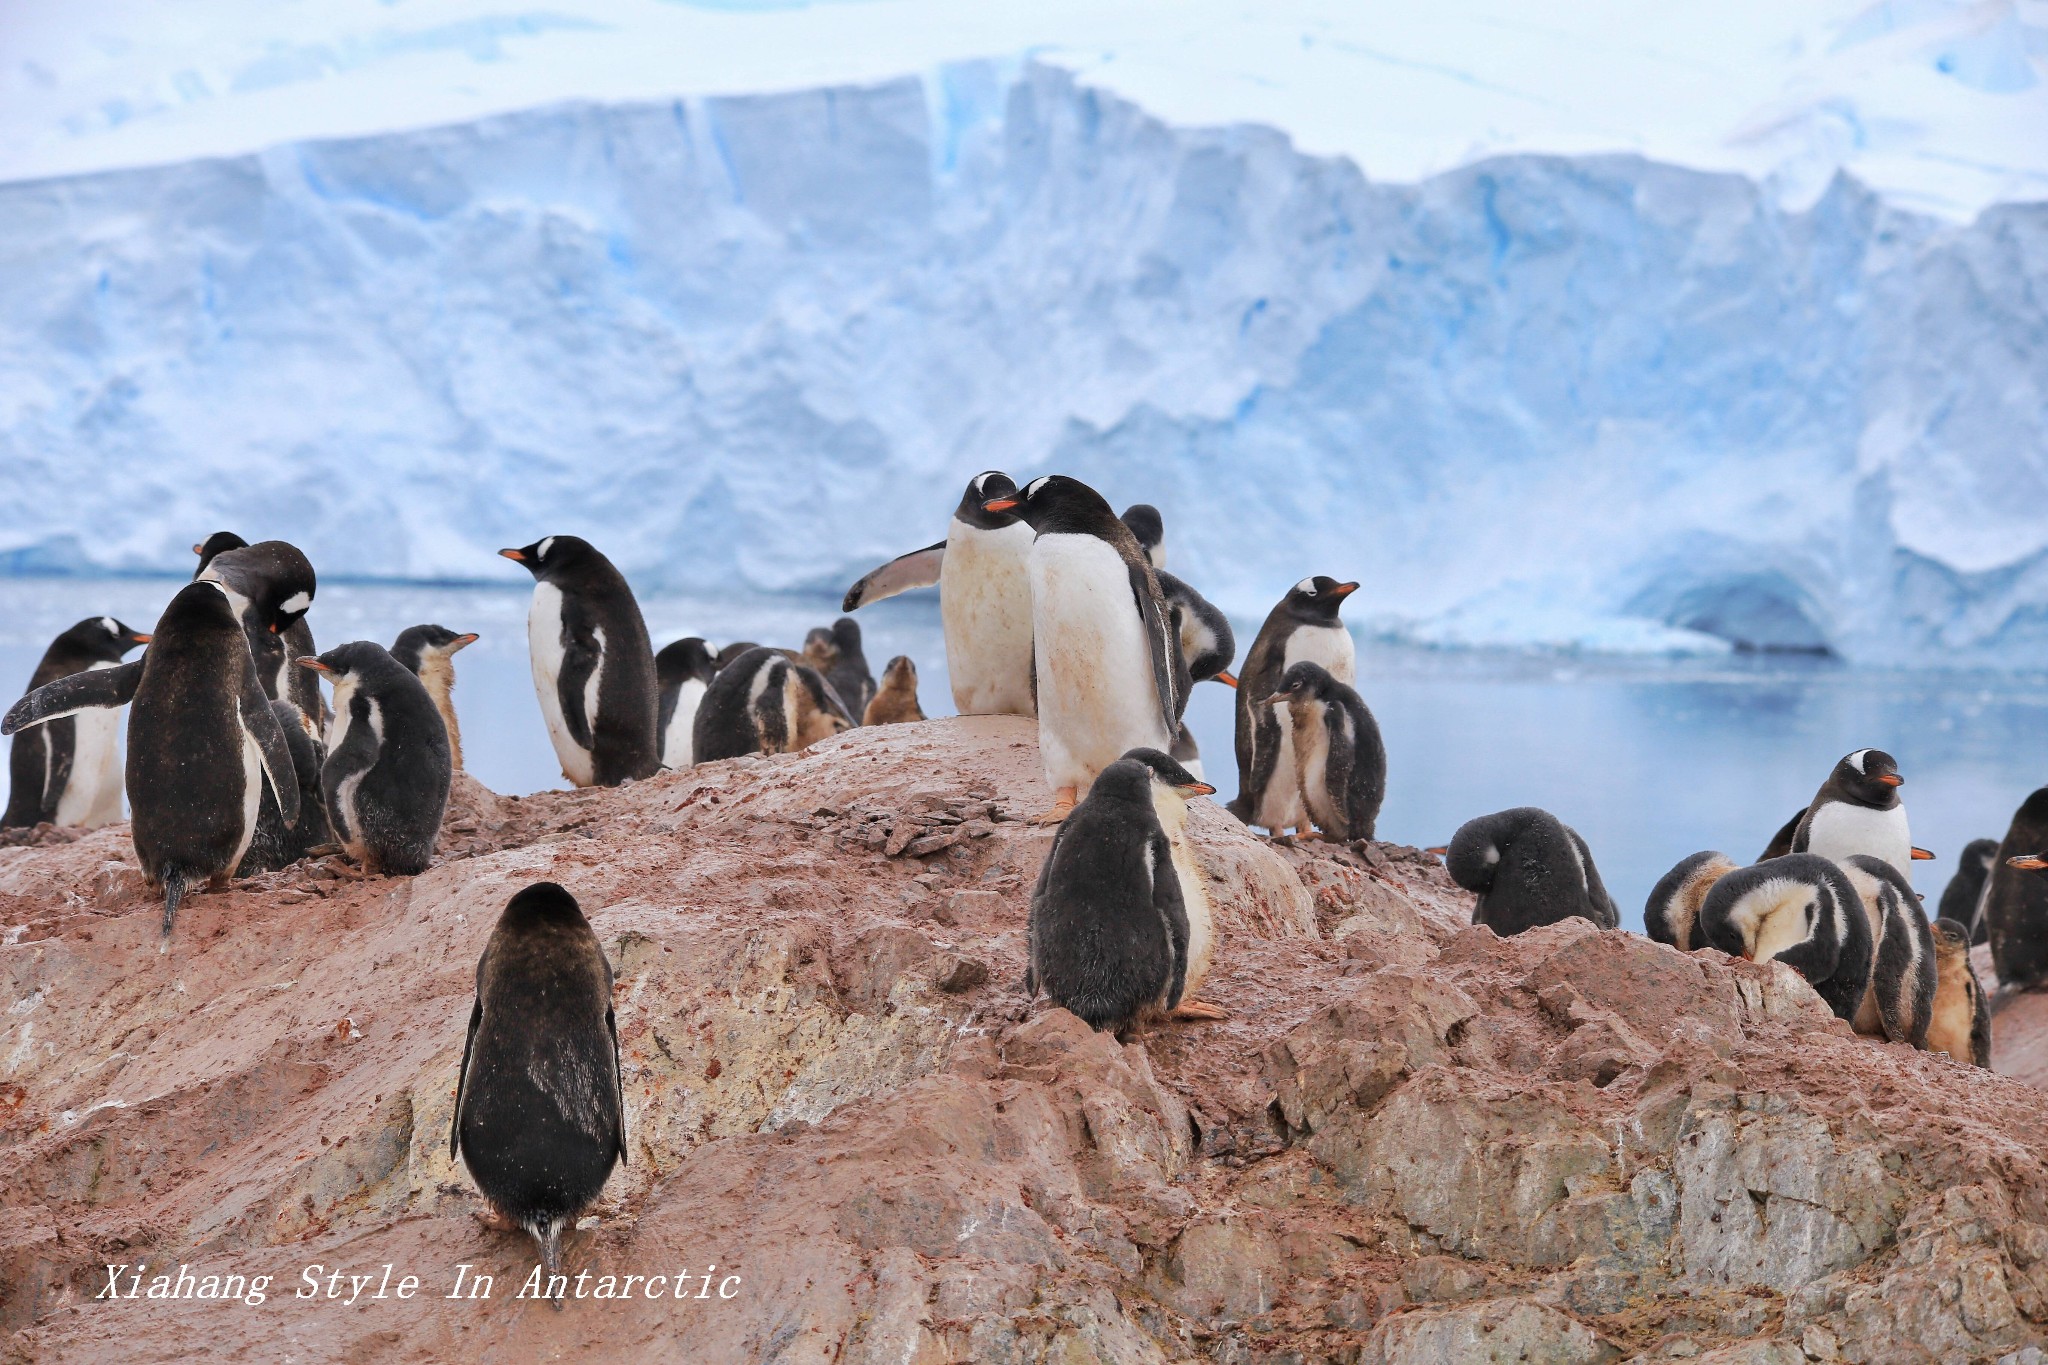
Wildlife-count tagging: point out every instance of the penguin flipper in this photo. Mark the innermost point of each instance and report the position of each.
(79, 692)
(476, 1016)
(580, 659)
(1166, 899)
(1596, 891)
(259, 722)
(1163, 642)
(611, 1024)
(57, 771)
(1980, 1024)
(918, 569)
(1339, 758)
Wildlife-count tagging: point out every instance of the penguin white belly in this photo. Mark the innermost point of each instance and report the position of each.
(1097, 694)
(544, 645)
(92, 796)
(1280, 804)
(675, 743)
(345, 791)
(1312, 754)
(985, 608)
(252, 795)
(1194, 889)
(1839, 829)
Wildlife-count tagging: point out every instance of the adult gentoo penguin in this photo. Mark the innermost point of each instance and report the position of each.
(984, 599)
(683, 670)
(1303, 628)
(1150, 529)
(1529, 868)
(429, 651)
(896, 700)
(2015, 904)
(1803, 911)
(68, 772)
(1961, 1025)
(1900, 999)
(1338, 756)
(540, 1101)
(1109, 671)
(835, 652)
(388, 768)
(765, 703)
(271, 585)
(1120, 929)
(593, 665)
(1857, 810)
(1963, 896)
(1673, 910)
(202, 741)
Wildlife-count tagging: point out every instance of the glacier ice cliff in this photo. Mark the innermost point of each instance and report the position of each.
(761, 340)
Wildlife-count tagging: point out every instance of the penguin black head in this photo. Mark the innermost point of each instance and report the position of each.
(356, 662)
(543, 903)
(1474, 853)
(846, 635)
(982, 489)
(216, 544)
(1314, 601)
(203, 603)
(416, 643)
(273, 576)
(548, 558)
(99, 639)
(1868, 777)
(1756, 912)
(1150, 529)
(686, 659)
(1054, 503)
(725, 657)
(1168, 772)
(1305, 680)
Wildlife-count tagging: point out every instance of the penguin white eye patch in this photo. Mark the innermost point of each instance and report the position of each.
(1306, 586)
(542, 552)
(1031, 489)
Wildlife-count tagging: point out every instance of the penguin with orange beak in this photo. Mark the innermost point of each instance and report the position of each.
(1302, 628)
(69, 771)
(1857, 810)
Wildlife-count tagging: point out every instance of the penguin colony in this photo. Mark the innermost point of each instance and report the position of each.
(1054, 607)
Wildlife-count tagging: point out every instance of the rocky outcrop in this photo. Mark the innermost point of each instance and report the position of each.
(1412, 1141)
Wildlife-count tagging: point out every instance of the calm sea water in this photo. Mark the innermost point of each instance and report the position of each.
(1649, 759)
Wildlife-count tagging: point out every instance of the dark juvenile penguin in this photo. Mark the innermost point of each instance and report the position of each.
(1111, 937)
(1962, 898)
(1961, 1025)
(1673, 910)
(202, 741)
(765, 703)
(540, 1101)
(1529, 868)
(429, 652)
(1802, 910)
(1899, 1001)
(1781, 842)
(1857, 810)
(1338, 757)
(1150, 529)
(731, 652)
(593, 664)
(1108, 666)
(68, 772)
(277, 844)
(835, 652)
(271, 585)
(388, 769)
(1303, 628)
(896, 701)
(2015, 902)
(684, 670)
(984, 599)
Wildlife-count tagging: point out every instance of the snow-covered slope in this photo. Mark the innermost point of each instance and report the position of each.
(763, 340)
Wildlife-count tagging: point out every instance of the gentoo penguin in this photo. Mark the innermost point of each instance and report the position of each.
(540, 1101)
(385, 782)
(835, 652)
(1781, 842)
(1857, 810)
(593, 665)
(1529, 868)
(1964, 894)
(1113, 934)
(69, 771)
(429, 651)
(1673, 910)
(1900, 998)
(1802, 910)
(1961, 1025)
(984, 599)
(271, 585)
(1150, 529)
(277, 844)
(2015, 902)
(1303, 628)
(202, 741)
(214, 545)
(1338, 757)
(896, 701)
(765, 703)
(683, 669)
(1206, 640)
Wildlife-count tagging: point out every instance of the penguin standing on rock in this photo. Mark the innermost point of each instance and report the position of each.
(1529, 868)
(1963, 897)
(540, 1100)
(271, 585)
(984, 599)
(202, 741)
(1108, 666)
(593, 665)
(835, 652)
(1803, 911)
(2015, 903)
(429, 652)
(1303, 628)
(1338, 756)
(1961, 1022)
(765, 703)
(388, 768)
(1857, 810)
(896, 701)
(1673, 910)
(1899, 1002)
(1112, 937)
(684, 670)
(68, 772)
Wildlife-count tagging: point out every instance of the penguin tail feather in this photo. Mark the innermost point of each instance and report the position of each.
(174, 892)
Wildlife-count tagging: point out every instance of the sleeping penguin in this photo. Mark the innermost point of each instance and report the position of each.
(1303, 628)
(68, 772)
(1857, 810)
(1899, 1002)
(984, 599)
(683, 670)
(388, 769)
(1338, 757)
(1672, 913)
(1961, 1023)
(835, 652)
(765, 703)
(1529, 868)
(1121, 929)
(429, 652)
(2015, 903)
(1803, 911)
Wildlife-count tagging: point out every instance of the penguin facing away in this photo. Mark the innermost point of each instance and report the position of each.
(202, 741)
(1530, 869)
(2015, 902)
(429, 652)
(835, 652)
(68, 771)
(1899, 1001)
(540, 1101)
(1963, 896)
(388, 768)
(593, 664)
(1109, 670)
(1671, 915)
(765, 703)
(1150, 529)
(1339, 758)
(271, 585)
(684, 670)
(984, 599)
(1110, 936)
(1857, 810)
(277, 844)
(1800, 910)
(1302, 628)
(895, 702)
(1961, 1022)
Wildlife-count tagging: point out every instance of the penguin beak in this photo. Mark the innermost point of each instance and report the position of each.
(308, 661)
(2027, 862)
(1227, 679)
(1344, 590)
(1193, 789)
(141, 639)
(1277, 696)
(1441, 850)
(514, 555)
(1000, 504)
(462, 642)
(198, 549)
(1921, 855)
(1892, 780)
(273, 627)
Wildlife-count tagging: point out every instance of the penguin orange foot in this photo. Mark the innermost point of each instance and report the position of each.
(1198, 1011)
(1062, 807)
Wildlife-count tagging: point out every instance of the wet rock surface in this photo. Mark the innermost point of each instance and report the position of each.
(1411, 1141)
